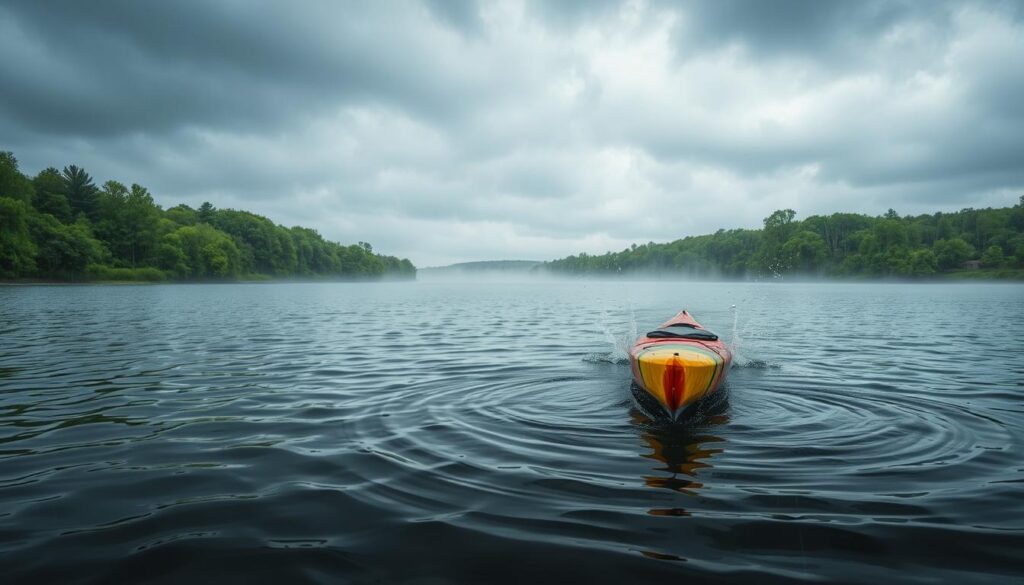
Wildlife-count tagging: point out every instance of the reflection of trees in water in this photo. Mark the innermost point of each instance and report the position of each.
(681, 448)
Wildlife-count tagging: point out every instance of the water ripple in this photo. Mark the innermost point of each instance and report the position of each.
(310, 432)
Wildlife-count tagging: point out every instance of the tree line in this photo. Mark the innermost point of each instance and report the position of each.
(970, 242)
(59, 225)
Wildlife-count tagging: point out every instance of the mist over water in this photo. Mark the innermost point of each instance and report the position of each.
(486, 431)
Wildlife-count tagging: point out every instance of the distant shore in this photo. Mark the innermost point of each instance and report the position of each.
(964, 276)
(66, 282)
(974, 244)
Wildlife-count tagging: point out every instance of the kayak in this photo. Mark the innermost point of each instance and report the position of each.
(679, 363)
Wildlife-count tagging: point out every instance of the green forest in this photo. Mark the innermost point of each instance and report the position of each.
(970, 243)
(59, 225)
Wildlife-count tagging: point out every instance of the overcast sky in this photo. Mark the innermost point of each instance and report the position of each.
(456, 131)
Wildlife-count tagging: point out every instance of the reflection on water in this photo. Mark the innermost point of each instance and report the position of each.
(682, 448)
(317, 432)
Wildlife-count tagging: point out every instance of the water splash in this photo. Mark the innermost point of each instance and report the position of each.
(751, 364)
(734, 338)
(737, 343)
(619, 337)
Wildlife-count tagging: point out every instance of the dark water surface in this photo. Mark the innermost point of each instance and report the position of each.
(455, 432)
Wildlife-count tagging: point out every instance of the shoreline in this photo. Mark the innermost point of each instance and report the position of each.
(953, 279)
(157, 282)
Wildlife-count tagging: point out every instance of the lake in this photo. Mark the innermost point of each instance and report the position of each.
(486, 432)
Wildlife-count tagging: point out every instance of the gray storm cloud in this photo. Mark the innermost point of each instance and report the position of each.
(465, 131)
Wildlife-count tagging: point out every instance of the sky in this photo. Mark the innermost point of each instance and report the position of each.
(447, 131)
